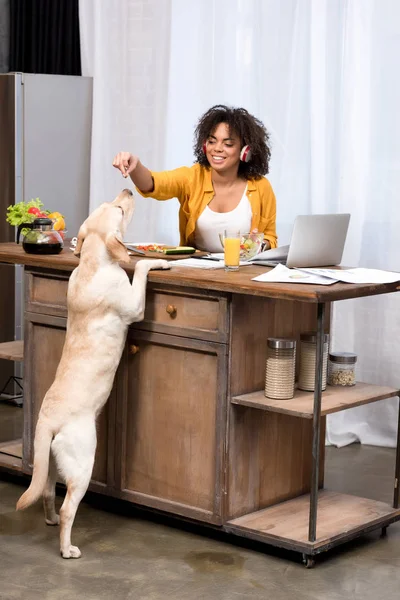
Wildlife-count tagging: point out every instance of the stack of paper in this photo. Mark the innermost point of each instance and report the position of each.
(211, 262)
(281, 274)
(198, 263)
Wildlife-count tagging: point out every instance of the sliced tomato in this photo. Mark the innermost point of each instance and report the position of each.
(150, 247)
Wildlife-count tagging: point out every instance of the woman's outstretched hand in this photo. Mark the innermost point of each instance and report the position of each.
(125, 162)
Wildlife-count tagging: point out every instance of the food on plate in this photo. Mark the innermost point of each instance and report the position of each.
(162, 248)
(149, 247)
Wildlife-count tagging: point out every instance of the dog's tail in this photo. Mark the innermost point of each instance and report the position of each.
(43, 439)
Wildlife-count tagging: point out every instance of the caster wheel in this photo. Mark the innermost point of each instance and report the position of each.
(308, 561)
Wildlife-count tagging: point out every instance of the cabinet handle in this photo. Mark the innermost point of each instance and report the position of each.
(171, 310)
(133, 349)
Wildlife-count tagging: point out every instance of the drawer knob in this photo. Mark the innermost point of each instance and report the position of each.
(171, 310)
(133, 349)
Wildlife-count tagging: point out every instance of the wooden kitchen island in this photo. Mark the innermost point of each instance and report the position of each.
(187, 429)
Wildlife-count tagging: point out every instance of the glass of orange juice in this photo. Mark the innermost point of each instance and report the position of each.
(231, 249)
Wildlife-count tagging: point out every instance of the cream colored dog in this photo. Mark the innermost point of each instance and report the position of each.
(101, 305)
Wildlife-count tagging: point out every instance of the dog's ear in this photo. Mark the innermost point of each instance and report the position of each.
(81, 238)
(117, 248)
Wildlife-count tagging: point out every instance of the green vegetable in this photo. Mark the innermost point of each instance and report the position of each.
(18, 213)
(179, 250)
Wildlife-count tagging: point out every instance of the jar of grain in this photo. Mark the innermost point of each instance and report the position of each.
(308, 355)
(280, 368)
(342, 368)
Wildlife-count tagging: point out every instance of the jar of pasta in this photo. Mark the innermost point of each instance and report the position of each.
(342, 368)
(280, 368)
(308, 359)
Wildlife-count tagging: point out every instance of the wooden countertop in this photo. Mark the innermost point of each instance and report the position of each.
(219, 280)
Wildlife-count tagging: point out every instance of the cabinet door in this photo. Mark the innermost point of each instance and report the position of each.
(44, 341)
(171, 423)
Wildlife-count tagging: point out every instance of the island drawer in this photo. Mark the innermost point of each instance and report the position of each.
(46, 293)
(187, 312)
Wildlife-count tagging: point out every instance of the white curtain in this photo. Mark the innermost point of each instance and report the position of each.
(125, 48)
(323, 76)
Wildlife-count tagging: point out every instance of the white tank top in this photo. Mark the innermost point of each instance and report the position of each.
(211, 223)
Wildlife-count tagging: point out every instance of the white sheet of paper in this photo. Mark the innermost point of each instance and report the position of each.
(281, 274)
(198, 263)
(357, 275)
(219, 255)
(204, 263)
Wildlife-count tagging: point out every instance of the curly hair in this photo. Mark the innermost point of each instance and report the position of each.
(250, 130)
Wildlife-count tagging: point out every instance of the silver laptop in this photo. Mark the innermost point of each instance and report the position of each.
(317, 241)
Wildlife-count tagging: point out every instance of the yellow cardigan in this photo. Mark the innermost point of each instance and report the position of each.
(194, 190)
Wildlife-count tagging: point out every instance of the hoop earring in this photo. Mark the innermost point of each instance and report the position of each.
(245, 154)
(204, 148)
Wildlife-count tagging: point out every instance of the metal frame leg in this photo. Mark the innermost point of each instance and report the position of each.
(13, 398)
(14, 379)
(397, 467)
(312, 531)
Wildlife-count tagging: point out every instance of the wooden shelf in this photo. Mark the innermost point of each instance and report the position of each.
(334, 399)
(12, 350)
(11, 456)
(13, 448)
(339, 516)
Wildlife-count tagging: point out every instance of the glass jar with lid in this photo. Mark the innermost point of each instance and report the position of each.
(341, 369)
(308, 359)
(280, 368)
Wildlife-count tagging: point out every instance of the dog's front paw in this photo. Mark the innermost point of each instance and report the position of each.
(159, 264)
(71, 552)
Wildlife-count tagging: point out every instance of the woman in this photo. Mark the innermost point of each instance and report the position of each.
(224, 189)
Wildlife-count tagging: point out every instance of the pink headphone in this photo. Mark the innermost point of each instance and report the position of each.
(245, 153)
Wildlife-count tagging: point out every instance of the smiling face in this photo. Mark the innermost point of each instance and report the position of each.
(223, 149)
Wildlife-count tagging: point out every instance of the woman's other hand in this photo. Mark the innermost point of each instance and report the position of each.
(265, 245)
(125, 162)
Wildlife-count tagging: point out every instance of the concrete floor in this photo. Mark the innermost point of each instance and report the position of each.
(129, 555)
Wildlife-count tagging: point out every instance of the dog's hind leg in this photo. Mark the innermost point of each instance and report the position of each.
(74, 448)
(75, 493)
(49, 494)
